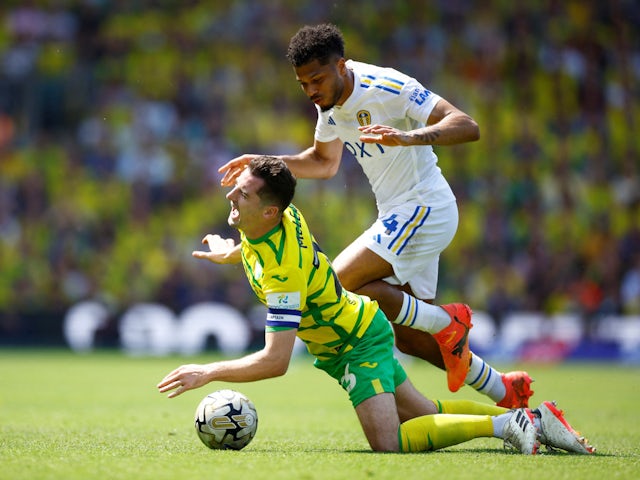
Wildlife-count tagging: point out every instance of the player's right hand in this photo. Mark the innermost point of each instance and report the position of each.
(186, 377)
(233, 168)
(221, 250)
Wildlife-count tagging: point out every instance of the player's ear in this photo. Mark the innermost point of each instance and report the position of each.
(270, 212)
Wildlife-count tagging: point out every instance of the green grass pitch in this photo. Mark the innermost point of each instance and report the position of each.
(99, 416)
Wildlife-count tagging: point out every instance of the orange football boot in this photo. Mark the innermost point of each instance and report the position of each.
(453, 341)
(518, 386)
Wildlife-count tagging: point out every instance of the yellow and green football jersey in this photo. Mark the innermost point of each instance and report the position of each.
(294, 279)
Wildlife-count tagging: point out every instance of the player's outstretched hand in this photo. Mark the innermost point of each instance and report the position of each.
(183, 378)
(389, 136)
(221, 250)
(233, 168)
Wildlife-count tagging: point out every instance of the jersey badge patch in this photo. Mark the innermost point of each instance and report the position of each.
(363, 117)
(284, 300)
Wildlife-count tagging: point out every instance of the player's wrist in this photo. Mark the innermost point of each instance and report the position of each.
(233, 256)
(414, 137)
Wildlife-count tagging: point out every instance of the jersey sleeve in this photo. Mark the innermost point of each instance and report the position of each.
(420, 101)
(285, 295)
(324, 132)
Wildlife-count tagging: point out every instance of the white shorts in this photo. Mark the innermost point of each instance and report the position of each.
(411, 239)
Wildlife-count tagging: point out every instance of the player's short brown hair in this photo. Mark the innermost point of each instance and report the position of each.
(279, 183)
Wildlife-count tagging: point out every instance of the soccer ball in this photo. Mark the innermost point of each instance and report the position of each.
(226, 419)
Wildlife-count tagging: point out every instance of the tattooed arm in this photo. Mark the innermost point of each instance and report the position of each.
(446, 125)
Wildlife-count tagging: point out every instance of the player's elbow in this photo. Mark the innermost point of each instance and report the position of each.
(474, 130)
(326, 168)
(329, 172)
(327, 163)
(279, 369)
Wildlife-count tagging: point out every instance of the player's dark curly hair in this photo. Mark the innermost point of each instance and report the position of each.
(279, 183)
(319, 42)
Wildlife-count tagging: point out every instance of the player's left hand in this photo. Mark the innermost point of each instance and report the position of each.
(186, 377)
(384, 135)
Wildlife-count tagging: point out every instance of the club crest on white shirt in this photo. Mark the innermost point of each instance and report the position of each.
(364, 117)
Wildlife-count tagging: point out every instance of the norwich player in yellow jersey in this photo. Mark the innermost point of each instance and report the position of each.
(348, 334)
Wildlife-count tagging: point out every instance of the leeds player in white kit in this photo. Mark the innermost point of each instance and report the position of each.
(389, 122)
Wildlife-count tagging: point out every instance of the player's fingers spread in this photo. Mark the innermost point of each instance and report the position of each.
(163, 386)
(178, 389)
(370, 137)
(226, 180)
(171, 376)
(175, 393)
(227, 166)
(209, 238)
(167, 380)
(170, 384)
(231, 168)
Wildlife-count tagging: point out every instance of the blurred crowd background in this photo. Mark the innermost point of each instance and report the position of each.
(115, 115)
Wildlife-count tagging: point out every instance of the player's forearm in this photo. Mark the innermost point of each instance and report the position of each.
(305, 165)
(451, 130)
(250, 368)
(313, 164)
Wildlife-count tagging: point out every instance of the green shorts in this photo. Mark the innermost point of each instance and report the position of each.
(370, 367)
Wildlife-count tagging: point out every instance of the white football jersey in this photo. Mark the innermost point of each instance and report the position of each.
(398, 175)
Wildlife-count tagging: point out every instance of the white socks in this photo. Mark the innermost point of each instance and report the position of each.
(498, 423)
(485, 379)
(421, 315)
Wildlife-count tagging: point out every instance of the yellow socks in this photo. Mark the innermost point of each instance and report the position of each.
(431, 432)
(457, 421)
(468, 407)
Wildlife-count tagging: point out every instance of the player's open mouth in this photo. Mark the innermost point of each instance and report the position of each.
(234, 213)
